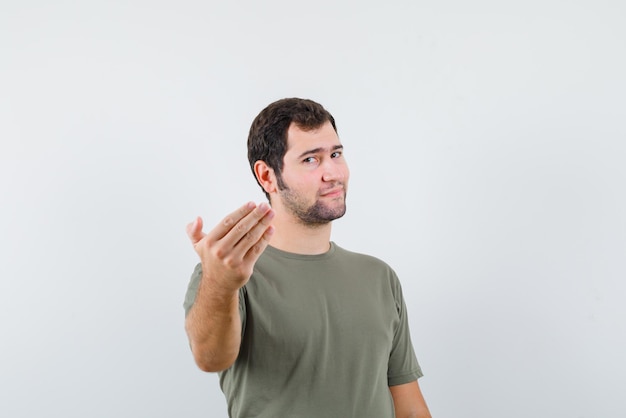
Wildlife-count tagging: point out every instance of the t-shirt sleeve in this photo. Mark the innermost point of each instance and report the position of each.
(192, 292)
(403, 364)
(192, 288)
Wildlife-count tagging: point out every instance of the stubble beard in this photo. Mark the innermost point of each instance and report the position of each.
(315, 215)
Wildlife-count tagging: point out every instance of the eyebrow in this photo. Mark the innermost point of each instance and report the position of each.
(318, 150)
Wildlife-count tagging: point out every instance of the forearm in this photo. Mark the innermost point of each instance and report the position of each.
(213, 326)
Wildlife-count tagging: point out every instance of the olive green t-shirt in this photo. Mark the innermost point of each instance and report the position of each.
(323, 336)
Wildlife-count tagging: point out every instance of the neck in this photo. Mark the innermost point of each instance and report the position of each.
(293, 236)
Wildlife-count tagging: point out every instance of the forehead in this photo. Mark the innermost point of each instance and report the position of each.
(322, 137)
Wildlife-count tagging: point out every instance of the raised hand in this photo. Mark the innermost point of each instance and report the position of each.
(229, 251)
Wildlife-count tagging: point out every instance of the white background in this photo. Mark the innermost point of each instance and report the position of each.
(487, 146)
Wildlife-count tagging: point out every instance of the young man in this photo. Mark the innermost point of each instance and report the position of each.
(296, 325)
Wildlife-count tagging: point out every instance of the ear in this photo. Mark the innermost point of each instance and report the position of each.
(266, 176)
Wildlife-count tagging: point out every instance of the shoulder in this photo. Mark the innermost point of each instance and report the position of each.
(366, 262)
(361, 257)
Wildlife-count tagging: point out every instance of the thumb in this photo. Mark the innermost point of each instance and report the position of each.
(194, 230)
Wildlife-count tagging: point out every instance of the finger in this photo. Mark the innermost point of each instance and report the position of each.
(194, 230)
(255, 251)
(230, 221)
(246, 225)
(255, 233)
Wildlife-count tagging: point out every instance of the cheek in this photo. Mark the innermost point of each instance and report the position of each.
(346, 173)
(300, 181)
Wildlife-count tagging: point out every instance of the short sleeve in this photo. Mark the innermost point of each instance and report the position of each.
(192, 292)
(192, 288)
(403, 365)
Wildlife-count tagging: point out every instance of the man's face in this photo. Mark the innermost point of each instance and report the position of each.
(314, 176)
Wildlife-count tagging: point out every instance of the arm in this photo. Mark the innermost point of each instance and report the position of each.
(227, 254)
(408, 401)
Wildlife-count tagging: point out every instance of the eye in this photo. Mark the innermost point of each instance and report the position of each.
(309, 160)
(336, 154)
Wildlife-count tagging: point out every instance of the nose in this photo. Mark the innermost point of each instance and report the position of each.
(334, 171)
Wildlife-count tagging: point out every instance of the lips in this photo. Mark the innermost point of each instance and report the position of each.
(337, 191)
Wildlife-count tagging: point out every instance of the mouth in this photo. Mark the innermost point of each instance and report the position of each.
(335, 192)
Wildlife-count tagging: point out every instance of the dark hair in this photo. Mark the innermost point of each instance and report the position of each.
(267, 140)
